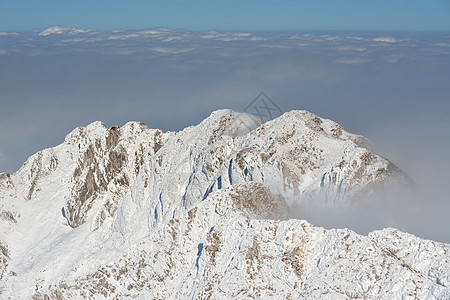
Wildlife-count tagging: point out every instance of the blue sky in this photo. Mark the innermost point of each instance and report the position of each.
(383, 15)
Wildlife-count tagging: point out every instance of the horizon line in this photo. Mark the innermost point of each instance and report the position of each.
(233, 30)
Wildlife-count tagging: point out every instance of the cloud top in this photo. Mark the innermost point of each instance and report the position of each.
(62, 30)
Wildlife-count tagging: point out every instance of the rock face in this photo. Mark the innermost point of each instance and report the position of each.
(135, 212)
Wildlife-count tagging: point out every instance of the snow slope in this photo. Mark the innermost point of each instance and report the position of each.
(134, 212)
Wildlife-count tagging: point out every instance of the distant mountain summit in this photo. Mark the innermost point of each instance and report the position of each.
(205, 212)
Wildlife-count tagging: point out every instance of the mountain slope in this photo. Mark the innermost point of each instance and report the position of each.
(134, 211)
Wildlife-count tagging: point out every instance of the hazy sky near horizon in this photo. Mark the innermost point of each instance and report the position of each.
(388, 87)
(391, 15)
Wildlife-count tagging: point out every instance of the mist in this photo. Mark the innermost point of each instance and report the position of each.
(390, 87)
(419, 210)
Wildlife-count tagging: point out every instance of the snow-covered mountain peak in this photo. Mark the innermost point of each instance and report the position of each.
(134, 212)
(226, 122)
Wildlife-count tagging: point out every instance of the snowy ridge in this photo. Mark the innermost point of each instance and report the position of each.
(135, 212)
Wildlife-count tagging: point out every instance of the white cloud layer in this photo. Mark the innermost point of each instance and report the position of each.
(387, 39)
